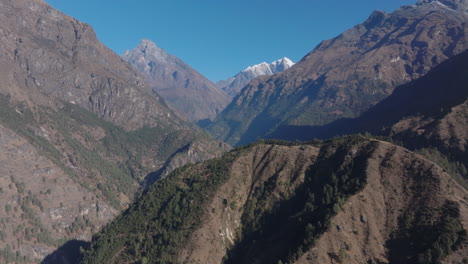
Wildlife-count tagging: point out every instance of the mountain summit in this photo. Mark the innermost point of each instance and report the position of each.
(269, 69)
(148, 51)
(233, 85)
(185, 89)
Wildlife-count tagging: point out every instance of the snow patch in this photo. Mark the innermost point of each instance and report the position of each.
(395, 59)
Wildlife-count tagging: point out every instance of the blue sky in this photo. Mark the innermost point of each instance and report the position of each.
(221, 37)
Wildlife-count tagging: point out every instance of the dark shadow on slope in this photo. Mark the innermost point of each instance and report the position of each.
(306, 133)
(432, 97)
(291, 226)
(68, 253)
(156, 175)
(427, 235)
(204, 123)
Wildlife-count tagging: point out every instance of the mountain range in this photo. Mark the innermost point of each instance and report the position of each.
(232, 86)
(184, 89)
(102, 161)
(350, 199)
(344, 76)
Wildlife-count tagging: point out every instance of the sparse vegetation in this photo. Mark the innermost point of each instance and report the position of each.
(427, 235)
(159, 224)
(115, 159)
(305, 216)
(8, 255)
(455, 168)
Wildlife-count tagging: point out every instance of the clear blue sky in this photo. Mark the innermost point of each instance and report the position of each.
(221, 37)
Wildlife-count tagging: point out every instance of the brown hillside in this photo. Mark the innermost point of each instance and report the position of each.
(222, 218)
(352, 200)
(399, 182)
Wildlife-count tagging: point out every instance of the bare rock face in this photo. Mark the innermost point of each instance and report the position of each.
(345, 76)
(185, 89)
(60, 57)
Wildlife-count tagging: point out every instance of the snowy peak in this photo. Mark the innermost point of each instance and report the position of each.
(283, 64)
(234, 84)
(269, 69)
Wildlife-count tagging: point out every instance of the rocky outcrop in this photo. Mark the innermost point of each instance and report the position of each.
(185, 89)
(345, 76)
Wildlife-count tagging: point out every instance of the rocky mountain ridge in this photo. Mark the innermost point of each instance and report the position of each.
(345, 76)
(185, 89)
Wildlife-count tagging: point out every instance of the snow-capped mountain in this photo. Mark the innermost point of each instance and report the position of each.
(234, 84)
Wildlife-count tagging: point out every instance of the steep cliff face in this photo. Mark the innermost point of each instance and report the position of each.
(47, 54)
(347, 200)
(185, 89)
(90, 128)
(345, 76)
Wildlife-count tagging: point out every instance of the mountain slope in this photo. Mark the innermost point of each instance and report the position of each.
(431, 111)
(234, 85)
(180, 85)
(388, 223)
(345, 76)
(428, 113)
(52, 55)
(80, 130)
(267, 203)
